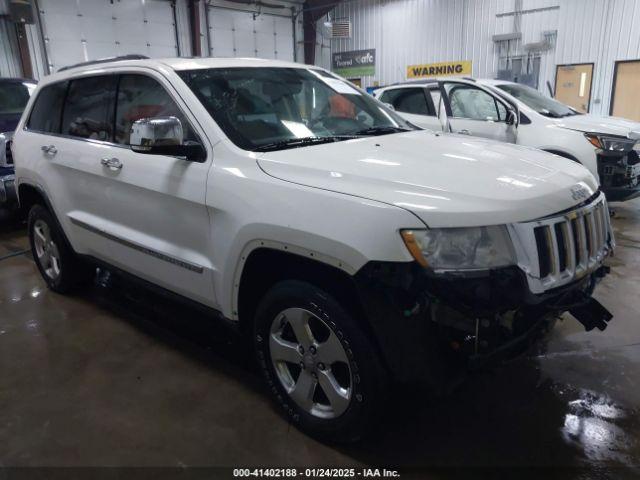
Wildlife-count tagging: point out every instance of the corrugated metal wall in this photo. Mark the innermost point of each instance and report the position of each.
(9, 56)
(36, 44)
(406, 32)
(40, 56)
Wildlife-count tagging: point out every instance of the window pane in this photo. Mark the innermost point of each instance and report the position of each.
(412, 100)
(88, 110)
(472, 103)
(258, 107)
(13, 97)
(140, 96)
(45, 115)
(408, 100)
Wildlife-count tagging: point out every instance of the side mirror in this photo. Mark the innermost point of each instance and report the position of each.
(163, 136)
(389, 106)
(512, 118)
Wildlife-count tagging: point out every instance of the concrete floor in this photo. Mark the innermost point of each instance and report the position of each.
(119, 377)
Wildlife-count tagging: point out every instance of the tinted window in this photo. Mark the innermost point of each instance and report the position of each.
(473, 103)
(88, 109)
(408, 100)
(45, 114)
(14, 96)
(140, 97)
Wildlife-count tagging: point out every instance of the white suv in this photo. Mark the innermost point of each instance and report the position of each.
(353, 249)
(509, 112)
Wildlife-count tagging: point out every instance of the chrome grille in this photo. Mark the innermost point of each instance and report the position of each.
(557, 250)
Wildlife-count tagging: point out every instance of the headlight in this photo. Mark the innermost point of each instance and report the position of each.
(610, 144)
(461, 248)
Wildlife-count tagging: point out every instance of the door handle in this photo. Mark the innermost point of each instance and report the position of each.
(464, 131)
(111, 163)
(50, 149)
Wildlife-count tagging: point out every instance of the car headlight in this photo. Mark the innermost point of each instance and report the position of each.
(475, 248)
(610, 144)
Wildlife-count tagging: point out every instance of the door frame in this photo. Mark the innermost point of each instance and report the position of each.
(615, 79)
(593, 71)
(447, 103)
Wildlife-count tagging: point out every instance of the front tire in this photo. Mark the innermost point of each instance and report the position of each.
(58, 264)
(321, 369)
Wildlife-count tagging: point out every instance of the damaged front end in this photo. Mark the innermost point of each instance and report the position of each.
(421, 316)
(618, 166)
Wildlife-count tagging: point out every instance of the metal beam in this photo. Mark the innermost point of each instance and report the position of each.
(23, 49)
(194, 23)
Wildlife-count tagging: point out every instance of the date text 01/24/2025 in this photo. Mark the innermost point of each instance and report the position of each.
(315, 473)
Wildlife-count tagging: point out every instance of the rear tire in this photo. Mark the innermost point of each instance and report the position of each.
(58, 264)
(321, 368)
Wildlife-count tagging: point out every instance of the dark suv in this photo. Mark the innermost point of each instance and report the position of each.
(14, 95)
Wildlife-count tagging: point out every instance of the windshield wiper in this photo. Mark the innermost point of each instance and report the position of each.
(382, 130)
(300, 142)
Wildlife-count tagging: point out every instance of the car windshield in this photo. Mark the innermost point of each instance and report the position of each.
(534, 99)
(264, 109)
(14, 96)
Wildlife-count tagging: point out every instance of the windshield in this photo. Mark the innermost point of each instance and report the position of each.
(14, 96)
(534, 99)
(264, 109)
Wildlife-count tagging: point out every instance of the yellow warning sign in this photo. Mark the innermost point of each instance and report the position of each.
(439, 69)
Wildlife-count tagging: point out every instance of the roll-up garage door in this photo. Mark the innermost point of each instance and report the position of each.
(238, 33)
(9, 56)
(80, 30)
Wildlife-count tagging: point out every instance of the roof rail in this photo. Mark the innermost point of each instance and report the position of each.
(132, 56)
(469, 78)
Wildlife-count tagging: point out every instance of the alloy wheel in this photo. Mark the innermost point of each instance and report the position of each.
(47, 252)
(310, 363)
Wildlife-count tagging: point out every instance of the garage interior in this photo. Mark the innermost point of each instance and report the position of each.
(119, 376)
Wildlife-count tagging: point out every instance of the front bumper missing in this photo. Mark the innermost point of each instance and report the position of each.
(619, 175)
(421, 320)
(592, 314)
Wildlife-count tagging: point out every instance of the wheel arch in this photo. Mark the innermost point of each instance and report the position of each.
(30, 194)
(563, 154)
(266, 266)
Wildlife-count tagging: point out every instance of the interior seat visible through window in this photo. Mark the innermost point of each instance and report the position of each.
(88, 109)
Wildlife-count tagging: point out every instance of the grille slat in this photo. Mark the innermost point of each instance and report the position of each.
(577, 241)
(561, 245)
(544, 251)
(586, 226)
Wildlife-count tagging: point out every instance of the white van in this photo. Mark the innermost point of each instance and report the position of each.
(514, 113)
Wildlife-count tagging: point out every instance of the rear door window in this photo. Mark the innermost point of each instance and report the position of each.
(88, 109)
(45, 114)
(409, 100)
(13, 97)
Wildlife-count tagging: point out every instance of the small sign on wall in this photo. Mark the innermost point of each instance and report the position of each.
(442, 69)
(357, 63)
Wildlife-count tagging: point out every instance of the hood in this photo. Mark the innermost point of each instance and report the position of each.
(598, 124)
(446, 180)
